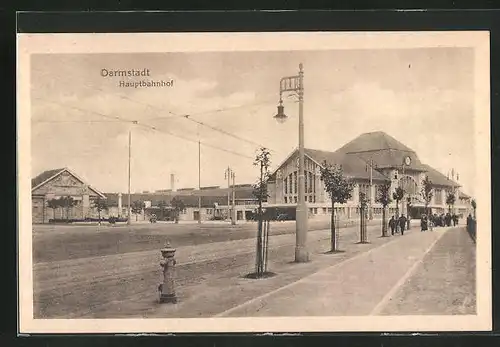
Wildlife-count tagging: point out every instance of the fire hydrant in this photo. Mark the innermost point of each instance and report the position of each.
(167, 288)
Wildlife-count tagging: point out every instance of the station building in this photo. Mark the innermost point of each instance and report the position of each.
(372, 157)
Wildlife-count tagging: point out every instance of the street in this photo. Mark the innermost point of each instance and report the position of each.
(212, 261)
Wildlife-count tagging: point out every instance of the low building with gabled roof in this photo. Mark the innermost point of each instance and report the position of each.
(371, 159)
(57, 183)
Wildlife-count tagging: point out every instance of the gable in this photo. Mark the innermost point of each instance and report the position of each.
(64, 183)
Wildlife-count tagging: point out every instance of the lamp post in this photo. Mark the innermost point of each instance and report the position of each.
(296, 84)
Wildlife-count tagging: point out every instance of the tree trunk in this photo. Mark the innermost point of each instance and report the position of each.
(333, 239)
(384, 221)
(136, 217)
(99, 211)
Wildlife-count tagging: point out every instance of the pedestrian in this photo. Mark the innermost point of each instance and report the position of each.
(448, 219)
(392, 224)
(469, 220)
(402, 223)
(408, 222)
(423, 223)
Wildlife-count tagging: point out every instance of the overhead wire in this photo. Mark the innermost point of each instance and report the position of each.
(120, 119)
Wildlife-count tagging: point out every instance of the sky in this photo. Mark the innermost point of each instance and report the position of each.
(81, 120)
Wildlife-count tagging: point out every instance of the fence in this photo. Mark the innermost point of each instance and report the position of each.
(471, 228)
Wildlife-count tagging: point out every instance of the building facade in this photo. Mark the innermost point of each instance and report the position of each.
(54, 184)
(370, 160)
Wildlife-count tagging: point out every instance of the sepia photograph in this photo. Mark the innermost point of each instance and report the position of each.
(254, 182)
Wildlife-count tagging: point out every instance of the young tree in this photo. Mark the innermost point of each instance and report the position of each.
(53, 204)
(363, 204)
(67, 202)
(178, 206)
(427, 193)
(137, 207)
(100, 205)
(384, 198)
(339, 189)
(398, 195)
(162, 205)
(474, 206)
(263, 161)
(450, 201)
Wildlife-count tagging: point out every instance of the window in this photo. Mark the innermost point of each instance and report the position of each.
(305, 181)
(329, 210)
(310, 198)
(295, 199)
(295, 182)
(290, 184)
(286, 200)
(315, 210)
(286, 185)
(438, 198)
(324, 210)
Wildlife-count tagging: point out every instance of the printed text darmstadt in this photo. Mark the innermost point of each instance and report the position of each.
(131, 82)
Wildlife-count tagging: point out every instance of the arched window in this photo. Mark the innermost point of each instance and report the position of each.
(409, 185)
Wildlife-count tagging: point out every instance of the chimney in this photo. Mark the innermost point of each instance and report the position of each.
(172, 182)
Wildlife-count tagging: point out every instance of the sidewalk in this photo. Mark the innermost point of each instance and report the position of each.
(361, 285)
(445, 283)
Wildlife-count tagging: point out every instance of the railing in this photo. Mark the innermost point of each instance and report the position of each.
(471, 228)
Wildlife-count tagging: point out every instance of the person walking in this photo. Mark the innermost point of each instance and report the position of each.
(423, 223)
(392, 224)
(402, 223)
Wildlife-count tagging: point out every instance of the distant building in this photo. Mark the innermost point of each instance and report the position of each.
(57, 183)
(214, 203)
(392, 162)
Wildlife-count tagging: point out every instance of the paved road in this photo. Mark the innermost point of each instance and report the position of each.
(83, 286)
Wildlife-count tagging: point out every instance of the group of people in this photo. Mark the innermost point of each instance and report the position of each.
(402, 223)
(399, 224)
(443, 220)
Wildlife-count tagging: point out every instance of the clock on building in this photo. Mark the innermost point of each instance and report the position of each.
(407, 161)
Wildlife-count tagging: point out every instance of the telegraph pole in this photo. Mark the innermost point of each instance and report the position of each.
(233, 222)
(370, 207)
(199, 182)
(129, 176)
(228, 174)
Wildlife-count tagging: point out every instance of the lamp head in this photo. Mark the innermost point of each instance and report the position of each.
(281, 116)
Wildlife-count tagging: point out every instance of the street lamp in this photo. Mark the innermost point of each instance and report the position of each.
(296, 84)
